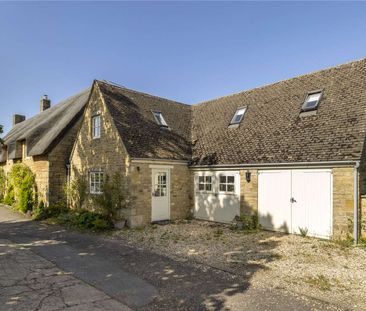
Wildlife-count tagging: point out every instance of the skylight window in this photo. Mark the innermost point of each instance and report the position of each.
(311, 101)
(159, 118)
(238, 116)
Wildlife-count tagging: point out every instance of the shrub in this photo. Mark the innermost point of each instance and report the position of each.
(2, 184)
(249, 222)
(21, 188)
(111, 199)
(42, 212)
(9, 196)
(76, 192)
(84, 219)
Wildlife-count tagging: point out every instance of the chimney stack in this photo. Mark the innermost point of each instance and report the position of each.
(17, 118)
(45, 103)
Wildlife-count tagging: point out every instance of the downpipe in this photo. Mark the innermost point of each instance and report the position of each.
(355, 203)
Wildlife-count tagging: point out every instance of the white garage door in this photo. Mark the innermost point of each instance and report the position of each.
(292, 199)
(217, 196)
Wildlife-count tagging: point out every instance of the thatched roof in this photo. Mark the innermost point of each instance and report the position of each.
(43, 129)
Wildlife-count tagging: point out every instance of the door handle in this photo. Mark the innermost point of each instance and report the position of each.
(292, 200)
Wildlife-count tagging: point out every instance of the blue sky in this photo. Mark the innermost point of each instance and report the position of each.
(187, 51)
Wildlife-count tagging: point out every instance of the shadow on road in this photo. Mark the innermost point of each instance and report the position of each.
(139, 278)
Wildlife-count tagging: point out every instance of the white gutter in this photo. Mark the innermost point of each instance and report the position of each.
(277, 165)
(355, 203)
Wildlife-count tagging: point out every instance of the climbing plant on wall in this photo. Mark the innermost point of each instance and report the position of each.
(2, 184)
(21, 188)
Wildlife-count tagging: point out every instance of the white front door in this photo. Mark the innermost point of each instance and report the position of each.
(160, 195)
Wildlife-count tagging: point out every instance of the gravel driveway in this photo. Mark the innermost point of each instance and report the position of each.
(307, 266)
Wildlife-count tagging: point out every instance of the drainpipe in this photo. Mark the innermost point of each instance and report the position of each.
(355, 203)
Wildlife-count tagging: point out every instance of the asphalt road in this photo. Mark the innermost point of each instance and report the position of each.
(140, 279)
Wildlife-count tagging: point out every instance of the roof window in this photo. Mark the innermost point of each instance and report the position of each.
(159, 118)
(311, 101)
(238, 116)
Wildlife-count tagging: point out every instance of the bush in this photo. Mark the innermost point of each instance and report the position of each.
(9, 196)
(76, 192)
(21, 188)
(2, 184)
(84, 219)
(111, 199)
(42, 212)
(249, 222)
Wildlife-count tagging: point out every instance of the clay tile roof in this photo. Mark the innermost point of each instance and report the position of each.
(272, 130)
(142, 136)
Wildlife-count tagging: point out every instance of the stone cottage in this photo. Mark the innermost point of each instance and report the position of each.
(44, 143)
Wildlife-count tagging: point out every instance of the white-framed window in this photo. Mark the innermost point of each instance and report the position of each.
(238, 116)
(159, 118)
(96, 182)
(311, 101)
(160, 184)
(96, 126)
(205, 183)
(227, 183)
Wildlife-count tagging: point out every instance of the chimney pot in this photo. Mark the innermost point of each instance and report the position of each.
(18, 118)
(45, 103)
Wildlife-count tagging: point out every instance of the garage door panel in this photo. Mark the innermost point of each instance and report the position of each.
(274, 193)
(292, 199)
(312, 191)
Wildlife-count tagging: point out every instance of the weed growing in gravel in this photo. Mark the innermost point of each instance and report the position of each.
(304, 232)
(320, 281)
(218, 232)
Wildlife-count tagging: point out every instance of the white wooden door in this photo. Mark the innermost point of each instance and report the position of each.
(274, 193)
(292, 199)
(312, 202)
(160, 195)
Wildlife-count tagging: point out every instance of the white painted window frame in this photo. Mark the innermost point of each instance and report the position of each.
(233, 122)
(93, 189)
(205, 183)
(306, 100)
(96, 126)
(226, 175)
(163, 122)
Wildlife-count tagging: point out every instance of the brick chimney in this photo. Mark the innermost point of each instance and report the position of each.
(17, 118)
(45, 103)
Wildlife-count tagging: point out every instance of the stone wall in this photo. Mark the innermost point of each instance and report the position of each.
(343, 196)
(106, 153)
(181, 192)
(58, 159)
(249, 193)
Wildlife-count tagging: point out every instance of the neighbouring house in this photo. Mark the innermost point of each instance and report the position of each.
(44, 143)
(292, 152)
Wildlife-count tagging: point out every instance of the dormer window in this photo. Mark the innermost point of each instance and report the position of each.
(311, 101)
(238, 116)
(159, 119)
